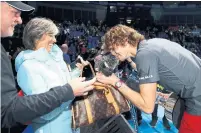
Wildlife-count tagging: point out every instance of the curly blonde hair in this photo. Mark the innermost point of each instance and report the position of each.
(119, 35)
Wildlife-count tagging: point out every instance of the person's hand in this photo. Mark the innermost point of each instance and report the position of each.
(18, 49)
(10, 57)
(111, 80)
(81, 87)
(82, 64)
(129, 59)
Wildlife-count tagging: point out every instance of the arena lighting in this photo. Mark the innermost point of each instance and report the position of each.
(128, 21)
(171, 3)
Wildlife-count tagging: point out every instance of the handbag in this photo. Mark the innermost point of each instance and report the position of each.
(102, 102)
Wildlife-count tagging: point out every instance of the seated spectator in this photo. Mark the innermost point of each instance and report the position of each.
(64, 48)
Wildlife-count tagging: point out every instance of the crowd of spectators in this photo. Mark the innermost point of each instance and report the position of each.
(84, 38)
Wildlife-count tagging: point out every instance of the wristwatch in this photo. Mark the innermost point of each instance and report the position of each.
(118, 84)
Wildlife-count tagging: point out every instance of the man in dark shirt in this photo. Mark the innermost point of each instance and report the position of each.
(162, 61)
(15, 109)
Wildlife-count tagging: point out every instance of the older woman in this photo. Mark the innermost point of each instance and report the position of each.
(42, 67)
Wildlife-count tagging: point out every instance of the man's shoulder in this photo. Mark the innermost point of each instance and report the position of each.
(152, 46)
(154, 42)
(143, 51)
(3, 52)
(146, 54)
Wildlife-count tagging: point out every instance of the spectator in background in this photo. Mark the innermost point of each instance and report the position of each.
(72, 51)
(64, 48)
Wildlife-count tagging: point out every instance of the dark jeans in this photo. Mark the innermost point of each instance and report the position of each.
(154, 114)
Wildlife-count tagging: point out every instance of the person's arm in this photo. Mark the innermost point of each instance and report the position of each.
(15, 109)
(31, 82)
(133, 65)
(147, 66)
(148, 76)
(76, 72)
(24, 109)
(78, 68)
(144, 100)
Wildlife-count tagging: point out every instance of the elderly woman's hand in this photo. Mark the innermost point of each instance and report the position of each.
(82, 64)
(111, 80)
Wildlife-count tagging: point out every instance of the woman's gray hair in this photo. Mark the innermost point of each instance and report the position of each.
(35, 29)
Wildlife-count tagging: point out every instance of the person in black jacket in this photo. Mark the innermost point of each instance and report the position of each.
(15, 109)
